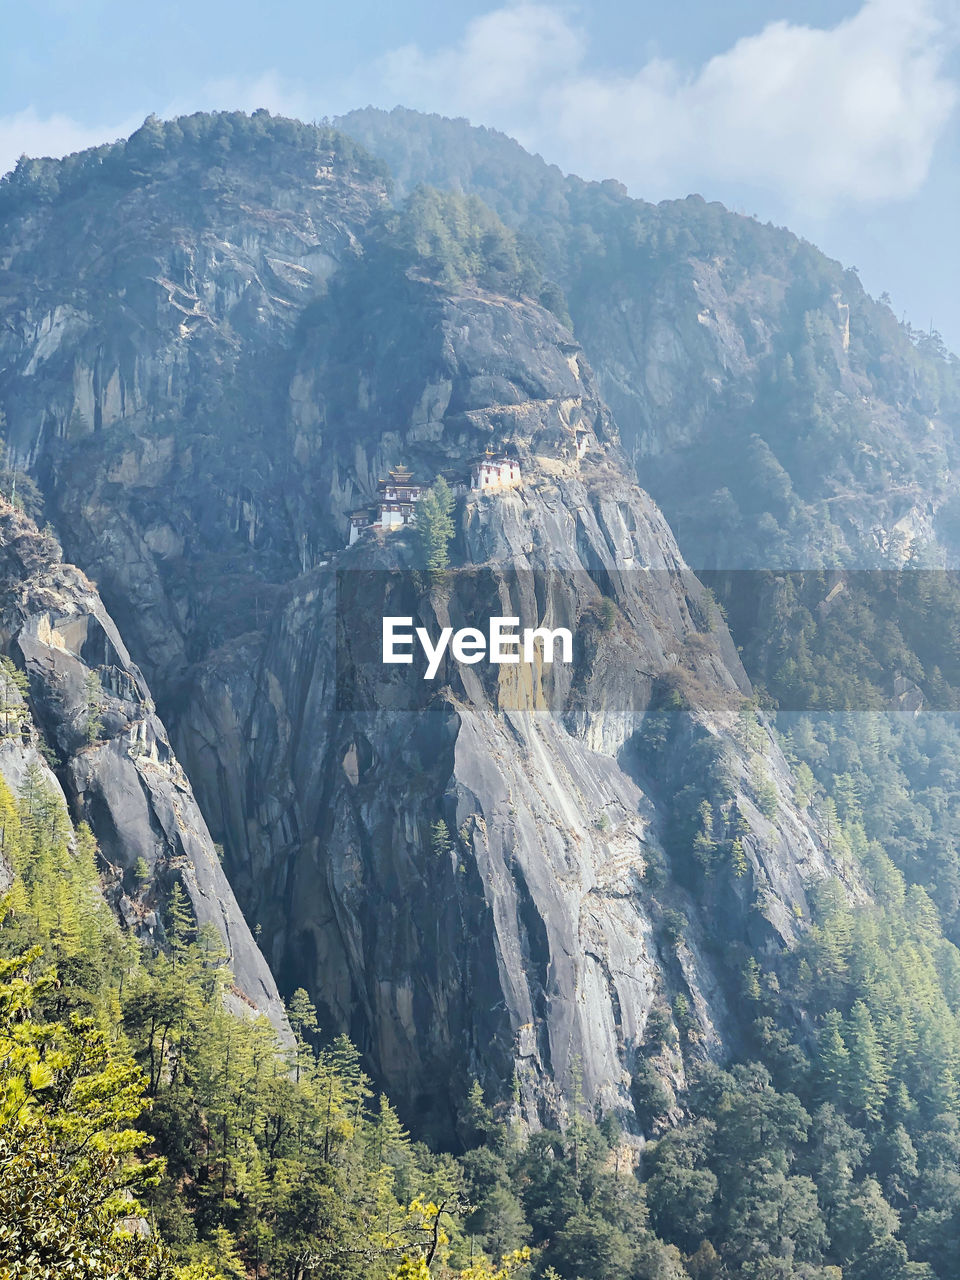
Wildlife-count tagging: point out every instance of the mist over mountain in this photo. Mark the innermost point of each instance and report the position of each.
(662, 943)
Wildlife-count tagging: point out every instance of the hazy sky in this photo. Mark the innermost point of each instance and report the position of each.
(841, 120)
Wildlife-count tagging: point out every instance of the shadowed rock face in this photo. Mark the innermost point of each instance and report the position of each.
(121, 775)
(210, 501)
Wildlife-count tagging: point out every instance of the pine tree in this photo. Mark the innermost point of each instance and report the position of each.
(440, 840)
(866, 1078)
(386, 1142)
(303, 1021)
(476, 1113)
(831, 822)
(180, 923)
(434, 525)
(14, 689)
(738, 858)
(832, 1059)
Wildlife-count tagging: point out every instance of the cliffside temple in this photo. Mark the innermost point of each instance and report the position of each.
(399, 492)
(495, 471)
(396, 502)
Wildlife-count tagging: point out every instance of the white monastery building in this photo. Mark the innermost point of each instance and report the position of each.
(395, 504)
(495, 472)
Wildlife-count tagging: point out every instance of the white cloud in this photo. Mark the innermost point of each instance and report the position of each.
(507, 61)
(27, 133)
(819, 117)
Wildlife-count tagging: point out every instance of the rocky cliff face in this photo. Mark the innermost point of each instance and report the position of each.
(146, 315)
(112, 756)
(534, 942)
(205, 389)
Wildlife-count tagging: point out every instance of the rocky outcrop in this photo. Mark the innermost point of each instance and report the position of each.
(114, 760)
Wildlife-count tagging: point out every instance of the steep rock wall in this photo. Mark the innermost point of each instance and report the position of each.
(116, 765)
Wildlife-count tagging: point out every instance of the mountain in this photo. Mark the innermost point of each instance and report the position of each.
(219, 378)
(615, 899)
